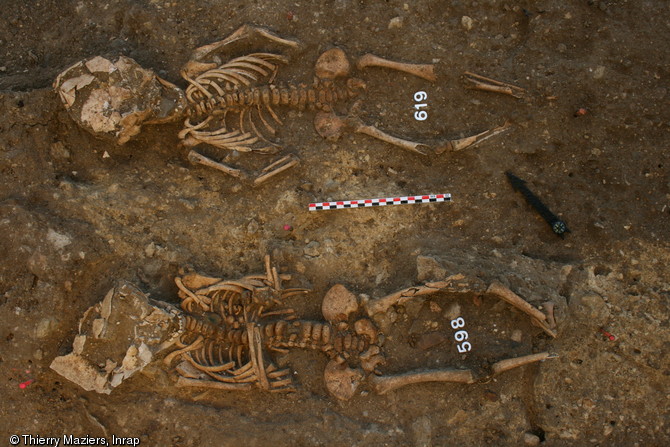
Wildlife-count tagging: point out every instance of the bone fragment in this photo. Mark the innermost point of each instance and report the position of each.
(384, 384)
(425, 71)
(549, 307)
(137, 330)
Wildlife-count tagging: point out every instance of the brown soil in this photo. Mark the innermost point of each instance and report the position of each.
(75, 220)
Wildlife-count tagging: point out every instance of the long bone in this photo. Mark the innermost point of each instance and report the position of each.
(425, 71)
(479, 82)
(384, 384)
(457, 283)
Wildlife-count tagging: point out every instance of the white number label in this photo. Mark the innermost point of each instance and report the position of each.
(420, 115)
(458, 322)
(461, 335)
(464, 347)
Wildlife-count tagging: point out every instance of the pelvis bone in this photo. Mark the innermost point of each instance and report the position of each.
(235, 105)
(229, 332)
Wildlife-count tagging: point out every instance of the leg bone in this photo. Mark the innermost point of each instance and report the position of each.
(425, 71)
(195, 157)
(384, 384)
(507, 364)
(455, 283)
(331, 127)
(473, 140)
(378, 134)
(505, 294)
(491, 85)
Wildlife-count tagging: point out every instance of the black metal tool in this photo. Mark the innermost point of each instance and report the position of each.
(557, 225)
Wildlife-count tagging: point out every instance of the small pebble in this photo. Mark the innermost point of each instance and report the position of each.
(531, 439)
(517, 335)
(312, 249)
(396, 23)
(491, 396)
(467, 22)
(252, 227)
(599, 72)
(607, 429)
(453, 312)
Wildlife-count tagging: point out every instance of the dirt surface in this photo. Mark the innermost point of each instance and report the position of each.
(78, 213)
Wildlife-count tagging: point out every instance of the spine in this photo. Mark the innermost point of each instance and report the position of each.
(299, 334)
(313, 335)
(298, 97)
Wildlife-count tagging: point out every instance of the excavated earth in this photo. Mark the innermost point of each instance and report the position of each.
(590, 137)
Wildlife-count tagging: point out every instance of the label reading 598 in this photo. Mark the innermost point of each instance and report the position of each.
(461, 335)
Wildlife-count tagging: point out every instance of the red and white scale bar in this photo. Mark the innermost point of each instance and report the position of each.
(408, 200)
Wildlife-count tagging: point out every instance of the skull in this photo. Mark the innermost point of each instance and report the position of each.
(114, 99)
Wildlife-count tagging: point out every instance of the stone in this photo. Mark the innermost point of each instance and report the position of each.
(395, 23)
(45, 327)
(312, 249)
(422, 432)
(531, 439)
(429, 268)
(467, 23)
(591, 307)
(453, 311)
(599, 72)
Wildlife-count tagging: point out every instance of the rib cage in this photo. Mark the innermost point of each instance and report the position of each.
(319, 96)
(231, 106)
(228, 327)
